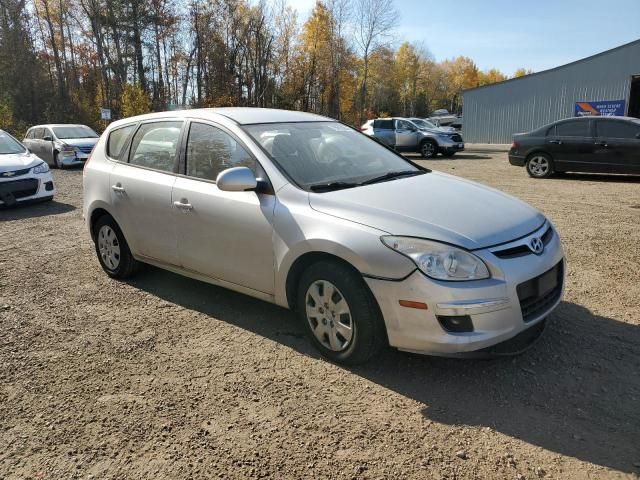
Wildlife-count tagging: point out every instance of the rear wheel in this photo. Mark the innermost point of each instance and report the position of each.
(112, 249)
(540, 165)
(339, 313)
(428, 149)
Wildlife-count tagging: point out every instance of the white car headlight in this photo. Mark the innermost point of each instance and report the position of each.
(40, 168)
(439, 260)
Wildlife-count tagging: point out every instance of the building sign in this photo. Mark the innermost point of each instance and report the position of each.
(105, 113)
(614, 108)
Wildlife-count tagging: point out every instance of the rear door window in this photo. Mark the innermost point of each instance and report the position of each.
(118, 141)
(617, 129)
(574, 128)
(38, 133)
(383, 124)
(155, 145)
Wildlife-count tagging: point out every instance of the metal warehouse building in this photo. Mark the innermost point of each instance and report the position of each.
(608, 83)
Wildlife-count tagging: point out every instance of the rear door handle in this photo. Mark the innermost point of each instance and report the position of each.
(183, 204)
(117, 188)
(602, 144)
(557, 142)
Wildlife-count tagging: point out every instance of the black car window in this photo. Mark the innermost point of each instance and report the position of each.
(617, 129)
(386, 124)
(211, 150)
(574, 128)
(155, 144)
(552, 131)
(117, 141)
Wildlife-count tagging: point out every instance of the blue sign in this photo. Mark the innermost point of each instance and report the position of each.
(614, 108)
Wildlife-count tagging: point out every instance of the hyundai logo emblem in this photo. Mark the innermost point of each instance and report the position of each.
(536, 245)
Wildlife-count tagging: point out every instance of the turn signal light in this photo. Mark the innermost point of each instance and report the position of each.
(412, 304)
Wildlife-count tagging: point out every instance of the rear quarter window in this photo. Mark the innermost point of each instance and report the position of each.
(118, 140)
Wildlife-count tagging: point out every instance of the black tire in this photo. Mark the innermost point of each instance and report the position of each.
(428, 149)
(448, 154)
(540, 165)
(369, 335)
(127, 265)
(56, 161)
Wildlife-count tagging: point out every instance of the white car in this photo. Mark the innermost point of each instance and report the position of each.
(24, 177)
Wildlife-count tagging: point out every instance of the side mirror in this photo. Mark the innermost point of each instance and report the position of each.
(47, 138)
(237, 179)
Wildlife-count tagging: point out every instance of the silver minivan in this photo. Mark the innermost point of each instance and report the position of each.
(302, 211)
(61, 145)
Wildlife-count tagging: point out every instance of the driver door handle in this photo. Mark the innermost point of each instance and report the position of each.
(602, 144)
(117, 188)
(183, 204)
(557, 142)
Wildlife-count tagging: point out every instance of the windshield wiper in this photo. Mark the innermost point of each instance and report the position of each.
(328, 187)
(392, 175)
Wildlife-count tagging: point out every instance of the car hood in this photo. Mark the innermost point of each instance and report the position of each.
(78, 142)
(18, 161)
(439, 130)
(436, 206)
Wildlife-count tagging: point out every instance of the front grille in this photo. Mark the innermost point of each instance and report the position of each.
(85, 148)
(14, 173)
(522, 250)
(540, 293)
(456, 137)
(19, 188)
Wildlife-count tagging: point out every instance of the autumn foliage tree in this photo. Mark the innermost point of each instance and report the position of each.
(64, 60)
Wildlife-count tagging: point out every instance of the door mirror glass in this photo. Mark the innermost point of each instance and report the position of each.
(47, 138)
(237, 179)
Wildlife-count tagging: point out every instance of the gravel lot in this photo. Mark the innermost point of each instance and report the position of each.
(165, 377)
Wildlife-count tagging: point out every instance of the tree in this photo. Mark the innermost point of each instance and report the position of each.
(521, 72)
(375, 22)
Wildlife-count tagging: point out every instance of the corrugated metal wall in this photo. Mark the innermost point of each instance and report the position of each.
(492, 114)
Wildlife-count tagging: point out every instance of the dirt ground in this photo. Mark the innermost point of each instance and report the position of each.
(166, 377)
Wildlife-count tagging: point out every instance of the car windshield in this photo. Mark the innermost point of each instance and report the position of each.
(422, 124)
(74, 132)
(9, 145)
(328, 154)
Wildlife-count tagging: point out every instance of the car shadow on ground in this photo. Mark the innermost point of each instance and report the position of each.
(576, 392)
(596, 177)
(34, 210)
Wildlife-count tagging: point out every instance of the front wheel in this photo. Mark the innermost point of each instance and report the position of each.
(339, 313)
(540, 165)
(57, 163)
(112, 249)
(428, 149)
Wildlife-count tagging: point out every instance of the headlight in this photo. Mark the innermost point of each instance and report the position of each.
(438, 260)
(41, 168)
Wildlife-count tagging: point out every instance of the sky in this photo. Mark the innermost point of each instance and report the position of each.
(509, 34)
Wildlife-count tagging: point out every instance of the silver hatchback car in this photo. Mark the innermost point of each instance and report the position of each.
(304, 212)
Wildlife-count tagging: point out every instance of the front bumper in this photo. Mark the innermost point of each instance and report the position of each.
(72, 160)
(493, 305)
(517, 160)
(30, 188)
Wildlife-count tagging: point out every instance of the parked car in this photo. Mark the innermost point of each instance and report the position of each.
(442, 117)
(405, 136)
(586, 144)
(457, 123)
(61, 145)
(304, 212)
(23, 176)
